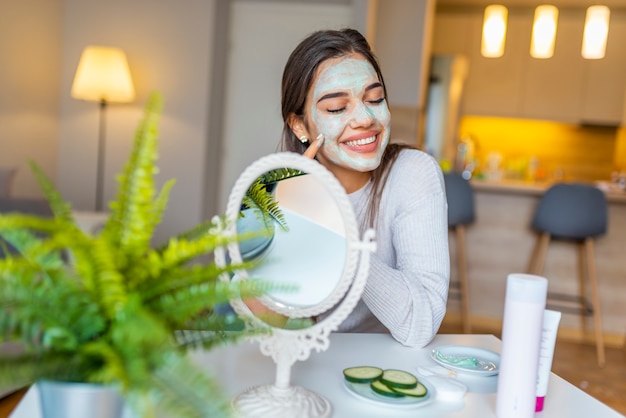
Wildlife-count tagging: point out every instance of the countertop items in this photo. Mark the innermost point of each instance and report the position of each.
(243, 366)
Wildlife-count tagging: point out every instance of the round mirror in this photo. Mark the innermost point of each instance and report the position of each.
(305, 236)
(299, 241)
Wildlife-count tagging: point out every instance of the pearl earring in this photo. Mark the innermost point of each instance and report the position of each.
(304, 139)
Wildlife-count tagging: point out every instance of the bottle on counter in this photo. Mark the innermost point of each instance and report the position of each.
(619, 179)
(466, 157)
(532, 168)
(493, 169)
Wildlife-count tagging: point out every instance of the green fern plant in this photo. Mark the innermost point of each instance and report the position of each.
(107, 308)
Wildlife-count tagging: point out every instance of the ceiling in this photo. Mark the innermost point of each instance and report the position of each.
(612, 4)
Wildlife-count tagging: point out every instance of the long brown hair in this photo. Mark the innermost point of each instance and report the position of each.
(298, 77)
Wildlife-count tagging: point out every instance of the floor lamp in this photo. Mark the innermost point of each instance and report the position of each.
(102, 76)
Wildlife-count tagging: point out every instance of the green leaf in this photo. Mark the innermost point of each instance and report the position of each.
(279, 174)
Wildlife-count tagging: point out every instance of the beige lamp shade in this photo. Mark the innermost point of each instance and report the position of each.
(103, 75)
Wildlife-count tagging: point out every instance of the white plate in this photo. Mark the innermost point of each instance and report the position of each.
(364, 391)
(488, 362)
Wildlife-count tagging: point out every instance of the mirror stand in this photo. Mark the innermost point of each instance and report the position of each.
(281, 399)
(272, 401)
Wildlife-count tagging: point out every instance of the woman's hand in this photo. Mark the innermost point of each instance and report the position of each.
(311, 151)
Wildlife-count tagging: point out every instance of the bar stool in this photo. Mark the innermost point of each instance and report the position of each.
(461, 213)
(578, 213)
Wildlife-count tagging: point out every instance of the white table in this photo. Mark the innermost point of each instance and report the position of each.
(242, 366)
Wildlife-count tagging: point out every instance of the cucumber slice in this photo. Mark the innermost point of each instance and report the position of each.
(398, 379)
(418, 391)
(362, 374)
(384, 390)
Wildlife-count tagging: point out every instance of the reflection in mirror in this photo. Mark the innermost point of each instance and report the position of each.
(299, 239)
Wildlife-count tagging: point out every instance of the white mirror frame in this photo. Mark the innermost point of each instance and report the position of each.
(288, 346)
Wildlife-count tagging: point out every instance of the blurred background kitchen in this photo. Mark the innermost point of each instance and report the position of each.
(521, 115)
(513, 121)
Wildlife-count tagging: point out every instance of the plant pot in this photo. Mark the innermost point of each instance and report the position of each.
(79, 400)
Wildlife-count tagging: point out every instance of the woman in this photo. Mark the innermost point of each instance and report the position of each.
(333, 91)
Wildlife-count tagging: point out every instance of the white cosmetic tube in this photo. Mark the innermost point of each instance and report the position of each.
(551, 321)
(524, 304)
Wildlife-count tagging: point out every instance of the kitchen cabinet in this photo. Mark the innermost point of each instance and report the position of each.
(604, 86)
(493, 85)
(564, 88)
(553, 87)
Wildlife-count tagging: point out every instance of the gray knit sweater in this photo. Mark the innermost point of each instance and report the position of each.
(407, 287)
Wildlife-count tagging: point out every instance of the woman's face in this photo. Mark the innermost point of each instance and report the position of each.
(346, 103)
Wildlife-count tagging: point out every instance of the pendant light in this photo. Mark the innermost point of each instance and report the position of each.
(596, 32)
(544, 31)
(494, 31)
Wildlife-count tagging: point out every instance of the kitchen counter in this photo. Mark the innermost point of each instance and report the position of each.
(501, 241)
(511, 186)
(538, 188)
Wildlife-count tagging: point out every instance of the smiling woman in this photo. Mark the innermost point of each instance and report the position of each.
(333, 89)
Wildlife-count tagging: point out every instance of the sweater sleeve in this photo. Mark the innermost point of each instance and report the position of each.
(408, 295)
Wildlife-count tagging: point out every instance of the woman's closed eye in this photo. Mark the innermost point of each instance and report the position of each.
(376, 101)
(339, 109)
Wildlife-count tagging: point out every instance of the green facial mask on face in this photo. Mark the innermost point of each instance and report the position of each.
(351, 75)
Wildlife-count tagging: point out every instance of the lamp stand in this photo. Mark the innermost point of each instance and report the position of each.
(101, 155)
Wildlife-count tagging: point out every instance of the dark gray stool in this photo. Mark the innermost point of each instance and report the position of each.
(461, 213)
(577, 213)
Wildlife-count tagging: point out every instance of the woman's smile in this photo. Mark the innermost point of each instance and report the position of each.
(357, 143)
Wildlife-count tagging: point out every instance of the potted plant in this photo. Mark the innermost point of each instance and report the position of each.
(108, 309)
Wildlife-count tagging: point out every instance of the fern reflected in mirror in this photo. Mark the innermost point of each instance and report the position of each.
(298, 237)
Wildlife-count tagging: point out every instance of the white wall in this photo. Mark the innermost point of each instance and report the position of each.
(30, 70)
(402, 43)
(403, 36)
(168, 48)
